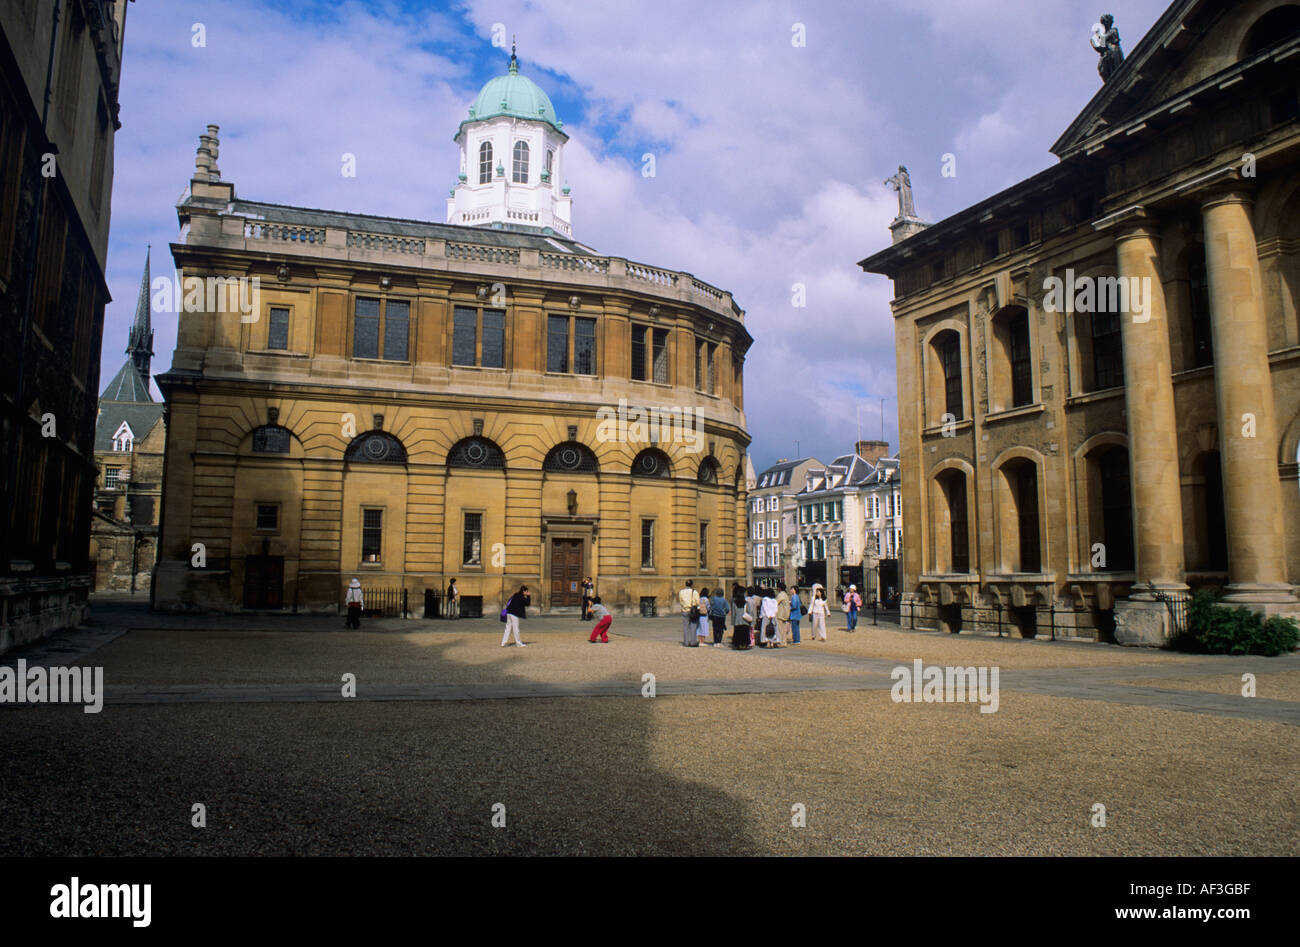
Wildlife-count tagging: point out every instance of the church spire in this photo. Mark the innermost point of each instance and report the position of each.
(140, 340)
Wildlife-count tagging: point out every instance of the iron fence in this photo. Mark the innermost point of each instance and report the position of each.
(384, 602)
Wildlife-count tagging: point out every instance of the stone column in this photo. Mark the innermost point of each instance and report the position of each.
(1247, 426)
(1153, 442)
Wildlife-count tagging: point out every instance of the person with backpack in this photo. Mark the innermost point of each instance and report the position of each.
(603, 620)
(719, 608)
(852, 602)
(796, 613)
(689, 599)
(515, 611)
(355, 603)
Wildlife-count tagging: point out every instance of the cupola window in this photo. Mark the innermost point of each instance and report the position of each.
(520, 172)
(485, 163)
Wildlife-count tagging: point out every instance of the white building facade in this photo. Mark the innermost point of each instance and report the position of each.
(773, 508)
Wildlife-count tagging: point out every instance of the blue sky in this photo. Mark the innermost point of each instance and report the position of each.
(770, 157)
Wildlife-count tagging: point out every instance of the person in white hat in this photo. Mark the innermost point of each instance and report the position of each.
(355, 603)
(852, 602)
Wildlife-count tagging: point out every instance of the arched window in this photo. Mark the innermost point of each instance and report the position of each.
(1012, 384)
(943, 377)
(951, 526)
(1116, 508)
(1273, 28)
(571, 457)
(376, 447)
(485, 163)
(652, 462)
(519, 174)
(1019, 528)
(271, 439)
(550, 162)
(708, 472)
(476, 453)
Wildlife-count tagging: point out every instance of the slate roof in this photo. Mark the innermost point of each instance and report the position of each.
(141, 416)
(778, 475)
(127, 385)
(517, 237)
(847, 470)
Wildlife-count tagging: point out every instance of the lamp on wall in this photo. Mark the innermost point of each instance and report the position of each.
(573, 502)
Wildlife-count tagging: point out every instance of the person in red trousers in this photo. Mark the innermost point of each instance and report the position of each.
(601, 630)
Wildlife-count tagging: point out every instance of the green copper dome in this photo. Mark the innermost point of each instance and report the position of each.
(515, 96)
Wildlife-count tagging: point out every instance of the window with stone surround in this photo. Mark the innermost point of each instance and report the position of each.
(478, 337)
(277, 332)
(485, 163)
(381, 329)
(1011, 375)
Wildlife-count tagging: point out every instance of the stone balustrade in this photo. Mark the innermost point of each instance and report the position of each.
(433, 252)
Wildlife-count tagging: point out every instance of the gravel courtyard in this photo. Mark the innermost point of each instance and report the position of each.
(246, 717)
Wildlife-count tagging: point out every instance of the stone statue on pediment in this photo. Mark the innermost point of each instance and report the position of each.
(1105, 40)
(902, 183)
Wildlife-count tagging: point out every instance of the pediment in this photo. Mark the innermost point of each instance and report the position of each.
(1195, 43)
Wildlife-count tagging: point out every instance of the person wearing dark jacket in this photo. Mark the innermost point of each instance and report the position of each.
(719, 608)
(516, 611)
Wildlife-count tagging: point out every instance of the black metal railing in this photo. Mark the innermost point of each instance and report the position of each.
(384, 601)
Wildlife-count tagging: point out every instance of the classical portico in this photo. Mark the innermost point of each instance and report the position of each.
(1248, 428)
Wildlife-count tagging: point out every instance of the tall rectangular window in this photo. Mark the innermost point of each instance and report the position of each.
(659, 351)
(397, 326)
(704, 545)
(464, 340)
(647, 544)
(639, 353)
(705, 379)
(472, 554)
(494, 338)
(584, 346)
(1022, 375)
(278, 329)
(557, 343)
(110, 477)
(950, 358)
(365, 329)
(372, 535)
(959, 538)
(1107, 350)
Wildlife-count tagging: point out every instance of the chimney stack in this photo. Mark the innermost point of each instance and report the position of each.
(872, 451)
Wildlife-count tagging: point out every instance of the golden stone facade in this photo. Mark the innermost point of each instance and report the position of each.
(409, 402)
(1099, 368)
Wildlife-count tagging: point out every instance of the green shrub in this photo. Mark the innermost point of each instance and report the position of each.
(1217, 629)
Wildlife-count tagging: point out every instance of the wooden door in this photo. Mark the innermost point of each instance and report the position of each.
(566, 572)
(264, 582)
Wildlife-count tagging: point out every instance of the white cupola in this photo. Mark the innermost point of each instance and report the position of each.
(511, 160)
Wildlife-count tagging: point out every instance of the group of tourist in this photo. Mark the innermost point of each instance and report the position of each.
(770, 617)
